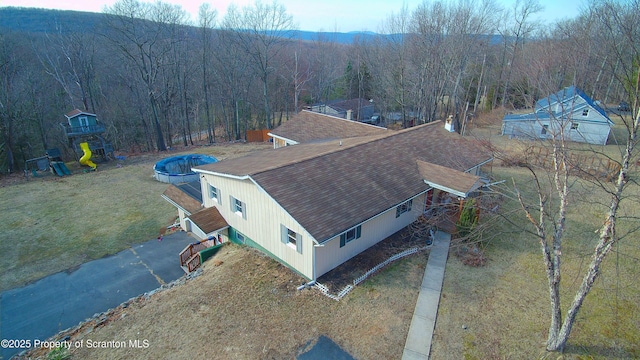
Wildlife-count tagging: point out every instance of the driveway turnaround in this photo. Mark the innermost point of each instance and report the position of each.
(60, 301)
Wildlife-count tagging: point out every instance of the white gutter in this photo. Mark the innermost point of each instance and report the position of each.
(289, 141)
(175, 204)
(373, 217)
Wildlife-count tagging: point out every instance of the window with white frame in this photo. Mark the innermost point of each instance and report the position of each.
(574, 126)
(350, 235)
(291, 238)
(585, 112)
(214, 194)
(544, 129)
(238, 207)
(404, 207)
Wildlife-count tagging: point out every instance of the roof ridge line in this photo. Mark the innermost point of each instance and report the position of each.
(343, 119)
(339, 148)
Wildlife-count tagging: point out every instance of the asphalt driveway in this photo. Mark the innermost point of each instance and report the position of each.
(59, 301)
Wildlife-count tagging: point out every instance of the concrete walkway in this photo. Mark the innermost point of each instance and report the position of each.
(423, 323)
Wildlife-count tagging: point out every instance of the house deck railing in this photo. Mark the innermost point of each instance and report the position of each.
(190, 255)
(87, 129)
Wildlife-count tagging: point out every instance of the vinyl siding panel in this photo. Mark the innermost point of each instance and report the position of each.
(262, 221)
(373, 231)
(590, 132)
(593, 133)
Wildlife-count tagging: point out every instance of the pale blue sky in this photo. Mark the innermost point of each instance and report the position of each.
(313, 15)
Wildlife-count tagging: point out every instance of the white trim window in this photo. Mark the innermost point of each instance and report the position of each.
(404, 207)
(214, 194)
(574, 125)
(238, 207)
(585, 112)
(291, 238)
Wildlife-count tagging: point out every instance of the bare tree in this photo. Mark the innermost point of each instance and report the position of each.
(300, 76)
(146, 45)
(517, 27)
(207, 19)
(548, 213)
(261, 30)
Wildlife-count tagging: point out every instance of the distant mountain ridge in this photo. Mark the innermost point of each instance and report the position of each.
(36, 20)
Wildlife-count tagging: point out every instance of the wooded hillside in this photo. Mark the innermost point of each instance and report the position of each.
(154, 79)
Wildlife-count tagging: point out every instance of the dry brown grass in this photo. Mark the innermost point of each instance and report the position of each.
(247, 307)
(501, 310)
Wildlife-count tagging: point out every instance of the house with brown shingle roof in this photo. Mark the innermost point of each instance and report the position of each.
(307, 126)
(315, 205)
(353, 109)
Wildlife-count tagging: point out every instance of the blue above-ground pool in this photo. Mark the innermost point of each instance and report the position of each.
(177, 169)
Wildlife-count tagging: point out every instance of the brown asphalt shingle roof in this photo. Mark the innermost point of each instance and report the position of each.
(453, 179)
(182, 199)
(307, 127)
(209, 220)
(329, 188)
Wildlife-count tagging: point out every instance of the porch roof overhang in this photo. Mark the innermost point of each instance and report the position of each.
(446, 179)
(182, 200)
(209, 220)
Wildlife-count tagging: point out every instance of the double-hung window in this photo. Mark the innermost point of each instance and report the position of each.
(214, 194)
(291, 238)
(403, 208)
(350, 235)
(238, 207)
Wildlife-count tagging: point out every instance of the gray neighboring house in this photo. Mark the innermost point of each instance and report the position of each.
(354, 109)
(570, 110)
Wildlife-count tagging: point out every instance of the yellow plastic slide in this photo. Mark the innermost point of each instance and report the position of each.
(86, 158)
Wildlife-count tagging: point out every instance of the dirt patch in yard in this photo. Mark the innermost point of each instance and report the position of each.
(345, 273)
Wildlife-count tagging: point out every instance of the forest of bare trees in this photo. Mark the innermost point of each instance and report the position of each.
(155, 78)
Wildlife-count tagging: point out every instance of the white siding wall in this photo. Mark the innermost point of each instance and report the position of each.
(527, 128)
(591, 133)
(263, 219)
(198, 232)
(375, 230)
(183, 217)
(594, 133)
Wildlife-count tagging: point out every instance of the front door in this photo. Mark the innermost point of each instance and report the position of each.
(84, 123)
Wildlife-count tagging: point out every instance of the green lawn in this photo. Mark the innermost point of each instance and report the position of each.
(53, 224)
